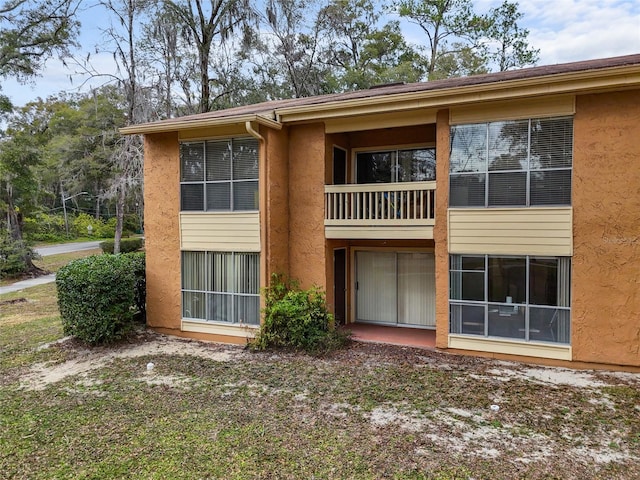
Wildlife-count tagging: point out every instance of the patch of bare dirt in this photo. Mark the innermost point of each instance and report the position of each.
(87, 360)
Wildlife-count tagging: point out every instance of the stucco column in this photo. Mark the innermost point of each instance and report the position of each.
(307, 254)
(162, 232)
(440, 229)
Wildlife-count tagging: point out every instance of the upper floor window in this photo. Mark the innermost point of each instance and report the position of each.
(407, 165)
(511, 163)
(219, 175)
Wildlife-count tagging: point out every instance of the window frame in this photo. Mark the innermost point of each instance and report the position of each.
(207, 291)
(486, 173)
(231, 181)
(456, 260)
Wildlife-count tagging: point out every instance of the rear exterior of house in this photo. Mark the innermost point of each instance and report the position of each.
(501, 211)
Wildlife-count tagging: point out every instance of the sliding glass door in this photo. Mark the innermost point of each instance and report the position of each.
(395, 288)
(376, 287)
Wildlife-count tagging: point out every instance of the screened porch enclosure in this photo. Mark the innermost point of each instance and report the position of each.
(221, 287)
(395, 288)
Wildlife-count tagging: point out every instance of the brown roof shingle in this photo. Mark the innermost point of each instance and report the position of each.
(267, 109)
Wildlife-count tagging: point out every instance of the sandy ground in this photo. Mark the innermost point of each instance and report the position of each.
(455, 429)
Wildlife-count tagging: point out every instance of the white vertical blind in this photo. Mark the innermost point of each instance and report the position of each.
(376, 295)
(221, 286)
(416, 289)
(396, 288)
(564, 299)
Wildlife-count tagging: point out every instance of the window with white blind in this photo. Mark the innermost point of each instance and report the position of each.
(526, 298)
(221, 287)
(511, 163)
(220, 175)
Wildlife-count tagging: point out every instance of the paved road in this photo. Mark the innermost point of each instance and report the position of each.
(45, 251)
(67, 248)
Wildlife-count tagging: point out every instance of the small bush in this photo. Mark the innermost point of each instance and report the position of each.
(97, 297)
(297, 319)
(13, 254)
(126, 245)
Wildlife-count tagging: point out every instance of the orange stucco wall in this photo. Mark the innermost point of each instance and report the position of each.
(307, 250)
(274, 205)
(161, 219)
(440, 229)
(606, 225)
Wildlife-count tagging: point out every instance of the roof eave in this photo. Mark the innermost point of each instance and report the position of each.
(186, 123)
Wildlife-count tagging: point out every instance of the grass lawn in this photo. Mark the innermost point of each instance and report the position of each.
(367, 412)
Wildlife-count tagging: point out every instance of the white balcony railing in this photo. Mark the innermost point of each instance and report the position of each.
(409, 203)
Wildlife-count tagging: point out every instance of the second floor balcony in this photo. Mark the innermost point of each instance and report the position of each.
(380, 210)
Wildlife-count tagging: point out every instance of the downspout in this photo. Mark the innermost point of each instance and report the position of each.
(263, 204)
(253, 132)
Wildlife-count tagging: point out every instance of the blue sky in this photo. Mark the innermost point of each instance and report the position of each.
(563, 30)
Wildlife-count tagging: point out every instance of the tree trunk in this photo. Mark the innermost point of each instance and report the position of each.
(14, 220)
(119, 219)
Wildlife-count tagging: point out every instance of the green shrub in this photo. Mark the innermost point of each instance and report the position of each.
(45, 227)
(47, 237)
(126, 245)
(297, 319)
(131, 223)
(99, 228)
(108, 229)
(80, 223)
(97, 297)
(13, 254)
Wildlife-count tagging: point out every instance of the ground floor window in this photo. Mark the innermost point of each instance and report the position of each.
(221, 287)
(526, 298)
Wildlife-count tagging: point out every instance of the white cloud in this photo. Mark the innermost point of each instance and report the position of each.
(571, 30)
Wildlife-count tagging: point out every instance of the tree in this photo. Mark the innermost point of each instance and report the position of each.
(83, 135)
(169, 59)
(511, 47)
(462, 61)
(362, 53)
(127, 156)
(203, 25)
(287, 51)
(31, 31)
(19, 152)
(450, 26)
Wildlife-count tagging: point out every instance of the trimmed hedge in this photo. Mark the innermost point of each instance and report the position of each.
(126, 245)
(99, 296)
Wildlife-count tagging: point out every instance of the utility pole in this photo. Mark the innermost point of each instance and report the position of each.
(64, 207)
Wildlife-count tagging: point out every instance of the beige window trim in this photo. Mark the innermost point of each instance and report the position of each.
(510, 347)
(215, 328)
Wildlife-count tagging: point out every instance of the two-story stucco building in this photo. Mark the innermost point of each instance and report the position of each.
(501, 211)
